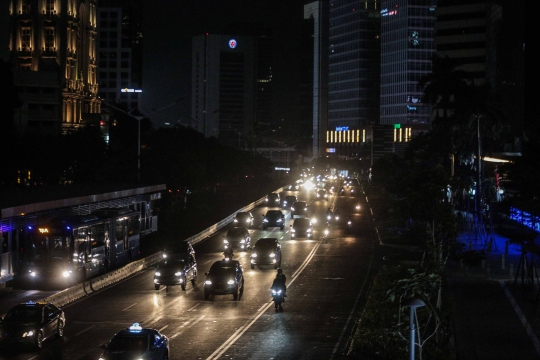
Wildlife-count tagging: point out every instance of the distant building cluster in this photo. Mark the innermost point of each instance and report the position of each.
(359, 64)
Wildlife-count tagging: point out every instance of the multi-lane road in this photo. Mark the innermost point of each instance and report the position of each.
(327, 282)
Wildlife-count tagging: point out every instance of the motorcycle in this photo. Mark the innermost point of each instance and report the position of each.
(228, 254)
(349, 223)
(277, 295)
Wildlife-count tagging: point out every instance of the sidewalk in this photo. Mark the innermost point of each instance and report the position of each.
(493, 310)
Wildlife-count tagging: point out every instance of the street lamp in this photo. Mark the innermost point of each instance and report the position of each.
(413, 304)
(139, 118)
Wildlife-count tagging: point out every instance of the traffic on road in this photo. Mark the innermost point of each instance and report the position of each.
(228, 309)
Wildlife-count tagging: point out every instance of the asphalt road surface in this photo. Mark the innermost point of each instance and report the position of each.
(327, 281)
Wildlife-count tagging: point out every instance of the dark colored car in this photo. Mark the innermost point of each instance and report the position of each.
(176, 269)
(274, 218)
(266, 251)
(136, 342)
(224, 277)
(288, 201)
(237, 237)
(299, 208)
(272, 199)
(179, 247)
(31, 323)
(243, 219)
(302, 227)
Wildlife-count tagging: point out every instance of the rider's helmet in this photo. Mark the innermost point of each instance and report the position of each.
(279, 271)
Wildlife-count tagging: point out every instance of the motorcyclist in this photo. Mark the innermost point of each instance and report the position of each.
(279, 282)
(337, 213)
(228, 253)
(329, 214)
(349, 221)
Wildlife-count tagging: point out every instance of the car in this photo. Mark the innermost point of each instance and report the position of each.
(322, 194)
(237, 237)
(176, 269)
(273, 218)
(289, 200)
(224, 277)
(266, 251)
(244, 218)
(272, 199)
(179, 247)
(136, 342)
(32, 323)
(302, 227)
(299, 208)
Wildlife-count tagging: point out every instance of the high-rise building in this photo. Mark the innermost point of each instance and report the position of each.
(407, 47)
(120, 52)
(317, 13)
(223, 87)
(53, 53)
(354, 63)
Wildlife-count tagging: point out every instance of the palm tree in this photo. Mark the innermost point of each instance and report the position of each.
(443, 87)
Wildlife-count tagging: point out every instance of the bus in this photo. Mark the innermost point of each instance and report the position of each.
(70, 249)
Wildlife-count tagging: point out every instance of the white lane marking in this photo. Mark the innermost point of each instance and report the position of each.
(241, 330)
(522, 317)
(163, 328)
(186, 325)
(88, 328)
(153, 321)
(129, 307)
(265, 305)
(191, 309)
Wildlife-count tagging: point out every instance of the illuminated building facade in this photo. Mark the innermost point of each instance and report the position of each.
(407, 47)
(53, 53)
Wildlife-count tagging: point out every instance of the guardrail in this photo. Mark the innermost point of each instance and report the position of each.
(78, 291)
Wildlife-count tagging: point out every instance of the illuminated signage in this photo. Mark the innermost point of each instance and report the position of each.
(386, 12)
(232, 43)
(282, 168)
(43, 230)
(397, 126)
(342, 128)
(330, 150)
(126, 90)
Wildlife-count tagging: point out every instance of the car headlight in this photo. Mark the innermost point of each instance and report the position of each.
(265, 220)
(254, 255)
(279, 220)
(66, 274)
(308, 230)
(225, 241)
(292, 208)
(293, 230)
(305, 209)
(235, 220)
(248, 220)
(157, 273)
(32, 273)
(243, 241)
(230, 282)
(272, 255)
(178, 273)
(28, 333)
(314, 220)
(208, 282)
